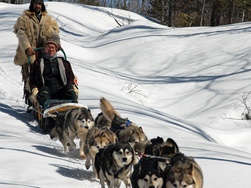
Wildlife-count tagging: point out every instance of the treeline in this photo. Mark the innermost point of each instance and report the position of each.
(179, 13)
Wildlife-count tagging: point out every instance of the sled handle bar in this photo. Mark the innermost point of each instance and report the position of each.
(40, 48)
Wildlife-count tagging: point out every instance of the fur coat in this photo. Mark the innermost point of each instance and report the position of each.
(32, 33)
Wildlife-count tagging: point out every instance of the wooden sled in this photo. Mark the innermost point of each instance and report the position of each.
(46, 116)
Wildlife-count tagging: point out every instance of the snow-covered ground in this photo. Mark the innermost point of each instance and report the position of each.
(184, 83)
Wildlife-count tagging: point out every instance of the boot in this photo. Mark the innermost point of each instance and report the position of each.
(25, 77)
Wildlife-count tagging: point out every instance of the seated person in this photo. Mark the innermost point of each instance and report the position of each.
(52, 77)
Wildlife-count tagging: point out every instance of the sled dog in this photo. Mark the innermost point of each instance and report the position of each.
(158, 147)
(147, 174)
(67, 125)
(96, 139)
(114, 163)
(140, 147)
(183, 171)
(101, 121)
(125, 130)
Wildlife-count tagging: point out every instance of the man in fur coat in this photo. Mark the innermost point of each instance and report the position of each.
(33, 28)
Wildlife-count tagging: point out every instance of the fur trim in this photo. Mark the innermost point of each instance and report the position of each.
(28, 25)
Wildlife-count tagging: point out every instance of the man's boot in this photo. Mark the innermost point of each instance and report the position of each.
(25, 78)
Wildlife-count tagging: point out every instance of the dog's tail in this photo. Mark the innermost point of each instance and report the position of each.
(107, 109)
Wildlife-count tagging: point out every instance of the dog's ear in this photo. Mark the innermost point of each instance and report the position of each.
(157, 140)
(178, 157)
(141, 129)
(160, 140)
(103, 134)
(174, 144)
(81, 114)
(90, 115)
(190, 169)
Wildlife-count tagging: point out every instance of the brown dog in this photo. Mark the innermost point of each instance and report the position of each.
(96, 139)
(183, 171)
(125, 130)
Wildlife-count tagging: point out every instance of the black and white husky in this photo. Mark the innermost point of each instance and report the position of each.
(147, 174)
(114, 163)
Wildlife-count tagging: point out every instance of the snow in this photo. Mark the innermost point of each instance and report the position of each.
(184, 83)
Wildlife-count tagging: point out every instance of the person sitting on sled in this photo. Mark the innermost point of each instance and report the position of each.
(52, 77)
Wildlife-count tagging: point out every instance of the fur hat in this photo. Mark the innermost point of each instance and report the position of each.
(36, 1)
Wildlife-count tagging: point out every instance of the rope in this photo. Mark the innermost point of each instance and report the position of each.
(157, 157)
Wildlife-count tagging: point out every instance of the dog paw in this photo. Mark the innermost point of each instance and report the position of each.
(87, 165)
(82, 156)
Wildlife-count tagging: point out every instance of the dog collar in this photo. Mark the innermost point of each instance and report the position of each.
(115, 129)
(128, 122)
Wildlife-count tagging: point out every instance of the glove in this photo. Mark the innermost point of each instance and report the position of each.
(75, 89)
(75, 86)
(33, 95)
(34, 92)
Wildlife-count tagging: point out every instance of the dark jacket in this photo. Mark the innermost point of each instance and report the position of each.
(66, 75)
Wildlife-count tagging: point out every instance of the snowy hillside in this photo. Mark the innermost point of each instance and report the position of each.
(184, 83)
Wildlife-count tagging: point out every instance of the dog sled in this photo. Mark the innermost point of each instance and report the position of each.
(46, 115)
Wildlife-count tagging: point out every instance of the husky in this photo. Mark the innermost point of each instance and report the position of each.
(114, 163)
(96, 139)
(140, 147)
(147, 174)
(183, 171)
(125, 130)
(67, 125)
(101, 121)
(158, 147)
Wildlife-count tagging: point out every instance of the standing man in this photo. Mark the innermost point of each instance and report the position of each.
(33, 28)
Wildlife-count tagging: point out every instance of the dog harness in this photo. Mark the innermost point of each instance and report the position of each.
(119, 128)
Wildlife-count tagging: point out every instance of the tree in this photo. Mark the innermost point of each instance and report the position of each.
(178, 13)
(216, 13)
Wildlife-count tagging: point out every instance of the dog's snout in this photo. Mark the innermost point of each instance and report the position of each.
(124, 159)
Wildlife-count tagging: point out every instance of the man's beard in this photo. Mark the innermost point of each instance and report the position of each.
(37, 11)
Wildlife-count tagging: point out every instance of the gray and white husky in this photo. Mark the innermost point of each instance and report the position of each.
(67, 125)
